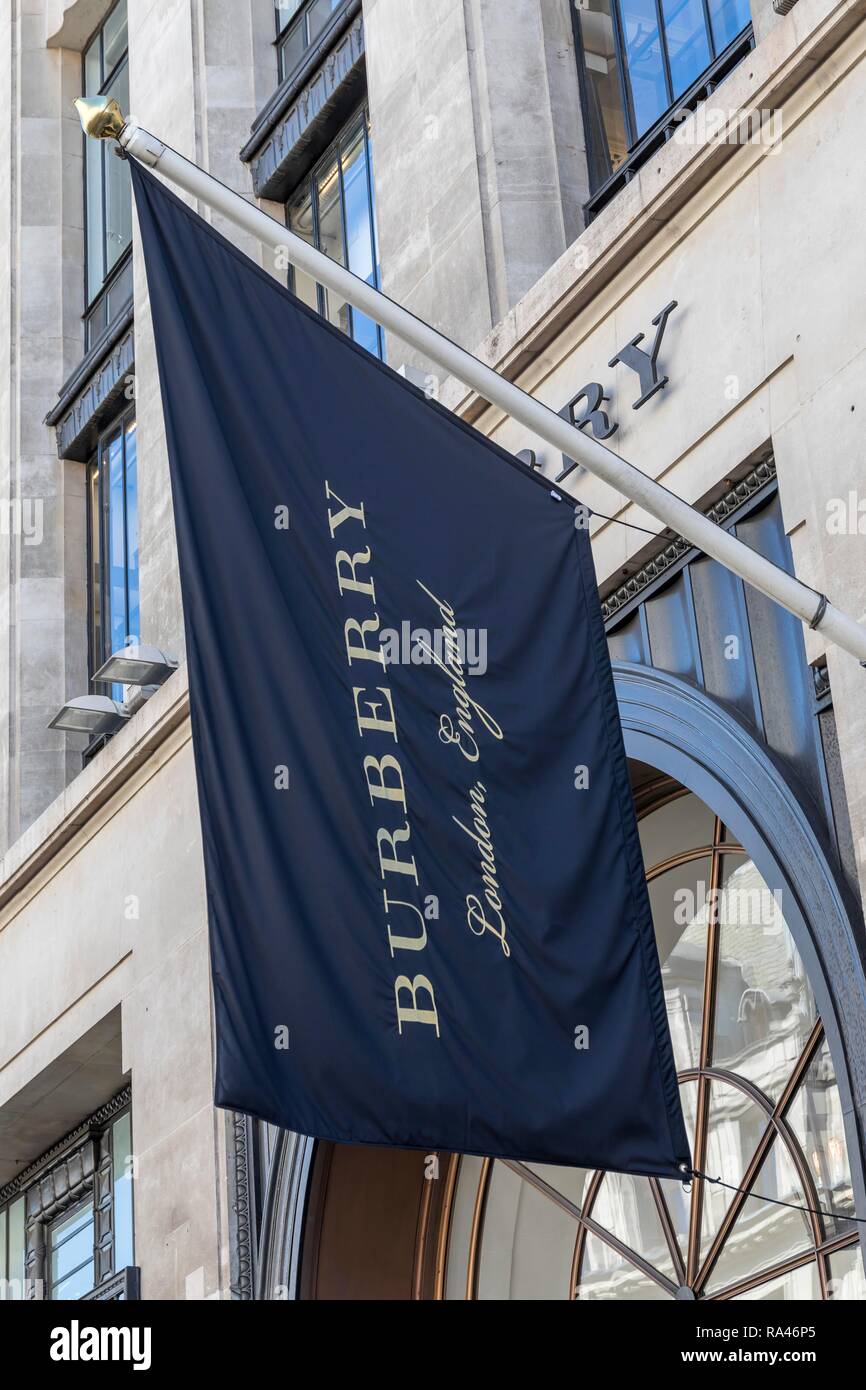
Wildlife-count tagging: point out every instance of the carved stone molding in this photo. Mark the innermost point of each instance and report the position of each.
(282, 148)
(676, 548)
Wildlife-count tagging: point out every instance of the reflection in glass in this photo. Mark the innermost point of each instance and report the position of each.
(678, 899)
(644, 62)
(797, 1285)
(729, 18)
(606, 1274)
(735, 1125)
(764, 1234)
(815, 1116)
(625, 1206)
(687, 40)
(608, 143)
(71, 1253)
(765, 1009)
(333, 210)
(530, 1253)
(846, 1275)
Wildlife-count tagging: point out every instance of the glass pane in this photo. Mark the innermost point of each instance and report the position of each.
(76, 1285)
(71, 1253)
(644, 61)
(292, 48)
(121, 1170)
(133, 620)
(17, 1250)
(331, 237)
(846, 1274)
(118, 189)
(75, 1250)
(94, 153)
(95, 596)
(765, 1009)
(461, 1226)
(608, 139)
(625, 1206)
(798, 1284)
(735, 1126)
(683, 824)
(605, 1274)
(729, 18)
(300, 221)
(764, 1235)
(114, 41)
(120, 293)
(113, 465)
(815, 1116)
(680, 910)
(688, 43)
(93, 69)
(359, 231)
(318, 15)
(528, 1245)
(284, 11)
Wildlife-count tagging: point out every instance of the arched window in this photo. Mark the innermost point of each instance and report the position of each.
(761, 1104)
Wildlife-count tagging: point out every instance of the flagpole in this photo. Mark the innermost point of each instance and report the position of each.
(102, 119)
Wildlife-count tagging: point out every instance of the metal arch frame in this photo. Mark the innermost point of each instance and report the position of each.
(686, 735)
(697, 1269)
(283, 1213)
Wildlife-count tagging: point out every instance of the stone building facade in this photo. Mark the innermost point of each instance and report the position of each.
(544, 182)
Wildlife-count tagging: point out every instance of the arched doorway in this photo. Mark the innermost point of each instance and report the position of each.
(761, 1102)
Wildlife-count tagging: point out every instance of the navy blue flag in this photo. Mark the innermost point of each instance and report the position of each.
(429, 925)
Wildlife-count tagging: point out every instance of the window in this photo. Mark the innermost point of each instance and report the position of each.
(112, 506)
(334, 210)
(12, 1250)
(70, 1253)
(640, 59)
(80, 1247)
(107, 189)
(761, 1105)
(299, 24)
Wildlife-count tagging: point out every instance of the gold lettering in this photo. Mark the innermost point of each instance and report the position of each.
(354, 585)
(405, 943)
(362, 652)
(393, 864)
(414, 1014)
(381, 766)
(336, 519)
(371, 722)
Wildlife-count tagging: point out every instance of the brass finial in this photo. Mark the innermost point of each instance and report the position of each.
(101, 117)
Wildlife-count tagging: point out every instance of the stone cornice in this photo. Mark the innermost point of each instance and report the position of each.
(676, 548)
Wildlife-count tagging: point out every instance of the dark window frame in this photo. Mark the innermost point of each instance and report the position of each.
(361, 117)
(295, 20)
(98, 626)
(83, 1164)
(95, 321)
(641, 146)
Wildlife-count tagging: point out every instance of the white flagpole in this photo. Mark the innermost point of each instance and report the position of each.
(102, 119)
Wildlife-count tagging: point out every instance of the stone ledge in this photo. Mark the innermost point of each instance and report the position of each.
(106, 775)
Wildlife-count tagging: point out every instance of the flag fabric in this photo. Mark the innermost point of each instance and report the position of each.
(429, 925)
